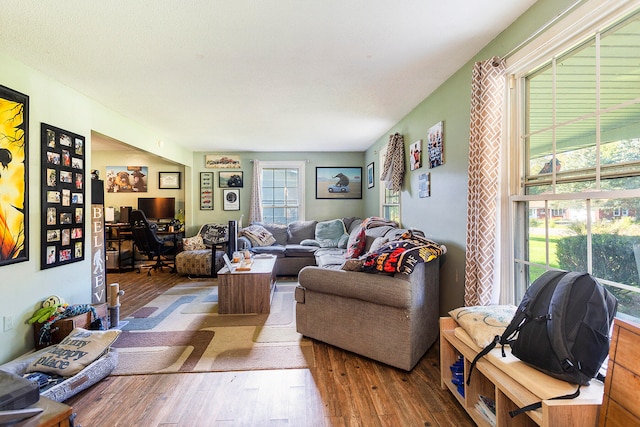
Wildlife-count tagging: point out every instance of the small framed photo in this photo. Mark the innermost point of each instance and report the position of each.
(169, 180)
(231, 200)
(230, 179)
(370, 175)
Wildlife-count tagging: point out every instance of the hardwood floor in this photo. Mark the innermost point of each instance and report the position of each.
(344, 389)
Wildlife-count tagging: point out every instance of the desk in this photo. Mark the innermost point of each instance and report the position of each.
(117, 234)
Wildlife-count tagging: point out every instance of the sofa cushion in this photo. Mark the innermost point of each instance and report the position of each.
(297, 231)
(356, 243)
(300, 250)
(483, 323)
(279, 232)
(328, 233)
(258, 235)
(79, 349)
(326, 257)
(276, 250)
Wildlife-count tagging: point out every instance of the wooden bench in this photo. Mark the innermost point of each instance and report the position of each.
(513, 384)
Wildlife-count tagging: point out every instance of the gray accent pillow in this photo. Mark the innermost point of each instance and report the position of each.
(328, 233)
(298, 231)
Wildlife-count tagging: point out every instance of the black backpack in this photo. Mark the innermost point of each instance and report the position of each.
(561, 327)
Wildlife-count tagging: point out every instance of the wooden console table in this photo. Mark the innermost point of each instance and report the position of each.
(241, 292)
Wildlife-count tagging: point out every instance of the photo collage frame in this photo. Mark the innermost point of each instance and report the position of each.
(63, 190)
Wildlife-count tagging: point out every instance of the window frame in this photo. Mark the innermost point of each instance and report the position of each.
(385, 193)
(288, 164)
(586, 21)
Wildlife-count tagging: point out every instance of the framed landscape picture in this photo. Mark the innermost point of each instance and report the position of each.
(230, 179)
(338, 182)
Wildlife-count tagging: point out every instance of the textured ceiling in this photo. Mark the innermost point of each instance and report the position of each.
(279, 75)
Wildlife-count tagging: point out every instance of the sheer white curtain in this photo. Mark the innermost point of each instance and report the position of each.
(255, 204)
(487, 103)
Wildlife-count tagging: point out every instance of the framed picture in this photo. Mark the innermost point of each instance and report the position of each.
(126, 179)
(370, 175)
(424, 185)
(231, 200)
(221, 162)
(435, 139)
(169, 180)
(62, 197)
(206, 191)
(230, 179)
(415, 155)
(14, 185)
(339, 182)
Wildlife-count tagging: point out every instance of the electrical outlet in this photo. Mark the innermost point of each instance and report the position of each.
(8, 323)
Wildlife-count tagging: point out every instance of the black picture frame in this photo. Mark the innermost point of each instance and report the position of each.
(230, 179)
(63, 190)
(231, 200)
(206, 191)
(14, 170)
(338, 182)
(169, 180)
(371, 182)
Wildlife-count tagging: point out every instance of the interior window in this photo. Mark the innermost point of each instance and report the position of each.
(282, 191)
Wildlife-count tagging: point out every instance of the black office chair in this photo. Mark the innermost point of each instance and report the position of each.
(148, 243)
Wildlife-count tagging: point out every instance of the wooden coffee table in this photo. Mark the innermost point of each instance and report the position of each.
(242, 292)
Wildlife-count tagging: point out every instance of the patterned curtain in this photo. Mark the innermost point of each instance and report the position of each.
(393, 169)
(487, 97)
(255, 205)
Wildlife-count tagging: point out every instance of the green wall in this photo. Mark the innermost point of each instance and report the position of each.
(443, 215)
(23, 285)
(318, 209)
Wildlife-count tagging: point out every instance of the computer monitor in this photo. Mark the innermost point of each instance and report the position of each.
(158, 208)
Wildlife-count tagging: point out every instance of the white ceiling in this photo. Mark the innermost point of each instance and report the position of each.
(255, 75)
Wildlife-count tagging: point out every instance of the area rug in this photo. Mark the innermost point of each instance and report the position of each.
(181, 331)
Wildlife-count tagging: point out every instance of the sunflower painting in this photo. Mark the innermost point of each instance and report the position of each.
(13, 176)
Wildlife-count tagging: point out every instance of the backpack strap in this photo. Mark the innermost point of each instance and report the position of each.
(537, 405)
(484, 351)
(556, 327)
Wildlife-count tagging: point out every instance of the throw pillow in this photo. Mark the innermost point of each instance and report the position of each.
(352, 265)
(299, 231)
(258, 235)
(356, 243)
(309, 242)
(193, 243)
(343, 242)
(328, 233)
(483, 323)
(78, 350)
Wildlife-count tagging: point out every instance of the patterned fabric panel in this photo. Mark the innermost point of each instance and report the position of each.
(402, 255)
(194, 263)
(214, 233)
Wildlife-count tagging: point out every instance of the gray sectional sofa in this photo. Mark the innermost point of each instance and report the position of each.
(295, 244)
(388, 317)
